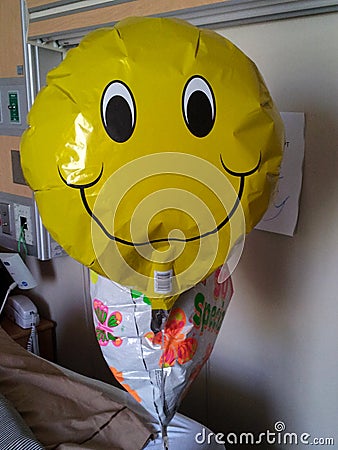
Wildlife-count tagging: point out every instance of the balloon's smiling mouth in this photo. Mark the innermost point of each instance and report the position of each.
(82, 188)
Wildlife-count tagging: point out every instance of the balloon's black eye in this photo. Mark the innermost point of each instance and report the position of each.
(198, 105)
(118, 111)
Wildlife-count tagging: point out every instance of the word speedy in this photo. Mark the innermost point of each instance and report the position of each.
(207, 317)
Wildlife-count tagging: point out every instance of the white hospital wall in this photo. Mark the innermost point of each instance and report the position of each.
(276, 358)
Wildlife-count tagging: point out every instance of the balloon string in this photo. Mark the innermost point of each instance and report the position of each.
(163, 427)
(165, 437)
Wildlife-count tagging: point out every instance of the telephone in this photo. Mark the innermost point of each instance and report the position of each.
(21, 310)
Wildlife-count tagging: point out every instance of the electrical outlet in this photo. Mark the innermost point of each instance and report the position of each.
(5, 224)
(23, 223)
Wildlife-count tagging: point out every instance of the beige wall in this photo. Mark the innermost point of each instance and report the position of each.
(276, 357)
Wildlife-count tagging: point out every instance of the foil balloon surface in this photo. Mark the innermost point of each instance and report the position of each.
(152, 150)
(156, 355)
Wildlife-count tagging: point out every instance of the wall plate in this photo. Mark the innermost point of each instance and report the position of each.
(23, 223)
(5, 218)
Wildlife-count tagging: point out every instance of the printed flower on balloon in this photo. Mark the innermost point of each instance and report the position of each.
(104, 329)
(176, 347)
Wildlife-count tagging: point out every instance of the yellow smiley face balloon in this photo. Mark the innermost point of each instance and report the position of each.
(154, 147)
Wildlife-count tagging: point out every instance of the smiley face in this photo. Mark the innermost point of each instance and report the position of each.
(149, 141)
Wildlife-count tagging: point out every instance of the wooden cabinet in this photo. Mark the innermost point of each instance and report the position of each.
(73, 17)
(45, 332)
(11, 48)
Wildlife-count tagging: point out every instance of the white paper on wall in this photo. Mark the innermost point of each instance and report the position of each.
(282, 215)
